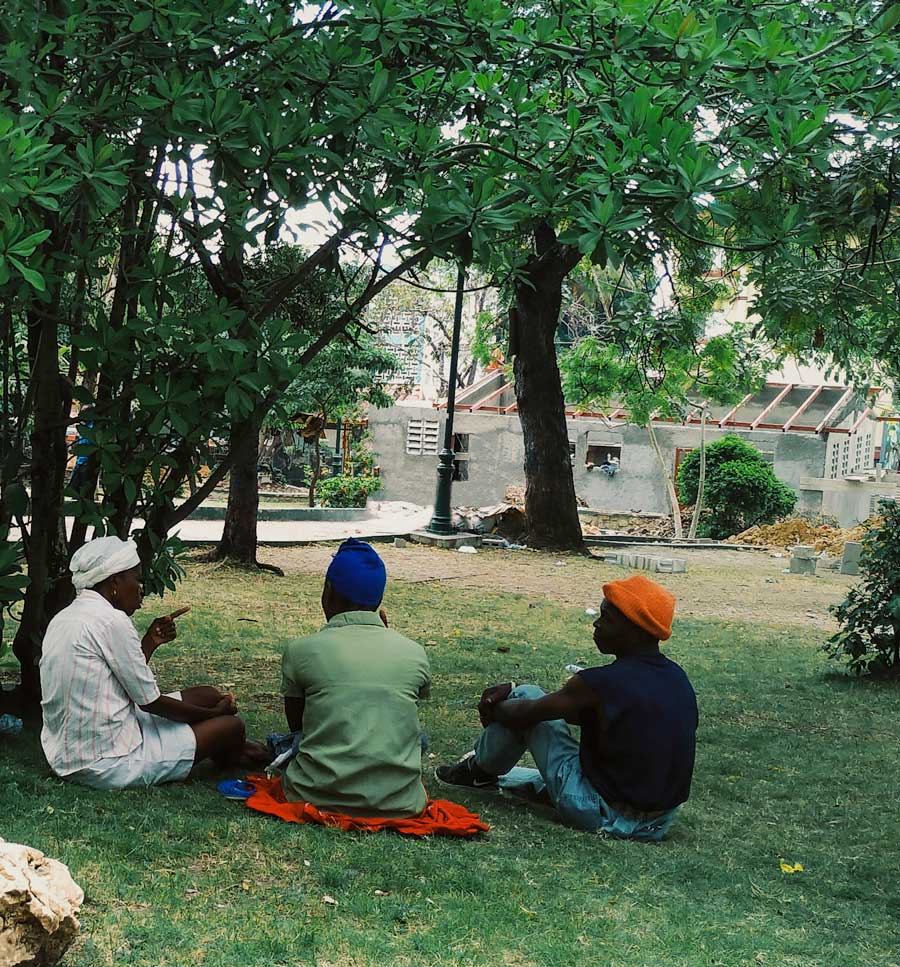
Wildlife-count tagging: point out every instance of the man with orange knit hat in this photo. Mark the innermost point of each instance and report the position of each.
(638, 717)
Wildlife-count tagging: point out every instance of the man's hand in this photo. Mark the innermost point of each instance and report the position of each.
(161, 631)
(226, 705)
(490, 698)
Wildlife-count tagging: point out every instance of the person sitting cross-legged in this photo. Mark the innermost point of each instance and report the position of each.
(352, 690)
(106, 724)
(638, 716)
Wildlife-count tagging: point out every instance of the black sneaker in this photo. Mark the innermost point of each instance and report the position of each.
(465, 773)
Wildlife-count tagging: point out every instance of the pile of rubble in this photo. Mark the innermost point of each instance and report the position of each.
(515, 495)
(502, 520)
(799, 531)
(655, 525)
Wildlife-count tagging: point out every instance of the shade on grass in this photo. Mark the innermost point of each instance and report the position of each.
(792, 765)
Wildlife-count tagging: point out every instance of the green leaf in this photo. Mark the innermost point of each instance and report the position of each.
(34, 279)
(141, 21)
(379, 85)
(26, 246)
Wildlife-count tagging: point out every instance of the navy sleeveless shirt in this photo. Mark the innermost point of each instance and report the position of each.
(638, 746)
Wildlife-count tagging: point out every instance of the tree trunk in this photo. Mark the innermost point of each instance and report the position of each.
(670, 486)
(701, 482)
(551, 510)
(50, 586)
(238, 543)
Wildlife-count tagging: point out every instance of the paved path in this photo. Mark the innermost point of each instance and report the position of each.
(298, 532)
(389, 519)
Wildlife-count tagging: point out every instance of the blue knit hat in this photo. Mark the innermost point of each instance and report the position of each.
(357, 572)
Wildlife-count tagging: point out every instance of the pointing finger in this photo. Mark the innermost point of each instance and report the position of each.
(179, 612)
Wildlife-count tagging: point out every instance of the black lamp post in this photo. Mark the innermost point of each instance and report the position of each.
(442, 519)
(337, 459)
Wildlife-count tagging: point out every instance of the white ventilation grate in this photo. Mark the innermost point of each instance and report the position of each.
(422, 437)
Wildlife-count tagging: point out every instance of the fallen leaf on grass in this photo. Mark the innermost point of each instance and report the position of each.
(382, 893)
(527, 912)
(330, 900)
(790, 867)
(503, 648)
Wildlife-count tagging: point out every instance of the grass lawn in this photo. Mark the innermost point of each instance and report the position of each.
(791, 764)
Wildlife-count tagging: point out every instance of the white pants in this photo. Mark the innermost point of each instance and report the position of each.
(166, 754)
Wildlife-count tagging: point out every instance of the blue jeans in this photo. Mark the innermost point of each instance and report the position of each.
(559, 778)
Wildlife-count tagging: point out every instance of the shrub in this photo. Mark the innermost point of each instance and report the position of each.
(346, 491)
(741, 488)
(869, 639)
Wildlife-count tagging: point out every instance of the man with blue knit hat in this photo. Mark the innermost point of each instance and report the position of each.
(353, 690)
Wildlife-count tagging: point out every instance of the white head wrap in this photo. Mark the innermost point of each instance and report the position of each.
(101, 559)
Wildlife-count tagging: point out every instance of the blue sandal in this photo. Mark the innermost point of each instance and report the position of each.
(236, 789)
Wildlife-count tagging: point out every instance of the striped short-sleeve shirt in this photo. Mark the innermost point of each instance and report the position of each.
(93, 678)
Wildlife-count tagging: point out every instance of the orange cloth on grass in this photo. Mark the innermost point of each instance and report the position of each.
(439, 818)
(648, 604)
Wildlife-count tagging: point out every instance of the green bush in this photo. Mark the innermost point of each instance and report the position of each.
(869, 639)
(346, 491)
(741, 488)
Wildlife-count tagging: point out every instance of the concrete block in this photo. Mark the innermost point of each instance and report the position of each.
(451, 542)
(850, 567)
(800, 565)
(665, 566)
(653, 564)
(679, 565)
(803, 552)
(399, 542)
(852, 552)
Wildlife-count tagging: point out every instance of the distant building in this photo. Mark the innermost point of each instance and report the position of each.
(815, 437)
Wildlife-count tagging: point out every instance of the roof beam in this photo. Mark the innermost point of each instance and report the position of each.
(834, 410)
(727, 417)
(771, 406)
(861, 420)
(804, 406)
(491, 396)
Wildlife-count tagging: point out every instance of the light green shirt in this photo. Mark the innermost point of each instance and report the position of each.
(361, 750)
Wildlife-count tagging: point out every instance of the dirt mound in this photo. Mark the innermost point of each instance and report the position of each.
(798, 530)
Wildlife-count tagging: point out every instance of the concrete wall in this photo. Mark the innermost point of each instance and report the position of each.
(496, 458)
(850, 501)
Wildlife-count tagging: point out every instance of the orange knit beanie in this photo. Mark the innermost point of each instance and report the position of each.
(648, 604)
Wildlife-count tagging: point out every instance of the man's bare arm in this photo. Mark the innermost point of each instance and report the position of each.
(293, 712)
(175, 710)
(569, 703)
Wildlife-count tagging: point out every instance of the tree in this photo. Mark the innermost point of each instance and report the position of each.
(869, 638)
(345, 377)
(138, 142)
(655, 364)
(741, 490)
(307, 312)
(635, 135)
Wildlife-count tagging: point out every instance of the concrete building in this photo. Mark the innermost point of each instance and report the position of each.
(815, 437)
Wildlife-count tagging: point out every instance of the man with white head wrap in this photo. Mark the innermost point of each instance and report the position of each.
(106, 724)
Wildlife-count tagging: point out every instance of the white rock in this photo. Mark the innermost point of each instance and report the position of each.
(39, 901)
